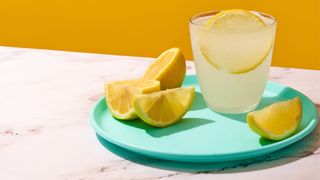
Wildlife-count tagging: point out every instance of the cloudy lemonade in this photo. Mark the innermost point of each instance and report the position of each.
(232, 63)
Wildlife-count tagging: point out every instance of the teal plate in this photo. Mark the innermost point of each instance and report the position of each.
(202, 135)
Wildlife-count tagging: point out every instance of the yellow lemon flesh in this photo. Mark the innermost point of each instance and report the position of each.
(230, 43)
(161, 109)
(120, 95)
(169, 68)
(277, 121)
(235, 19)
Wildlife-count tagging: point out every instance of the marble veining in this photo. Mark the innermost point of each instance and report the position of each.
(45, 100)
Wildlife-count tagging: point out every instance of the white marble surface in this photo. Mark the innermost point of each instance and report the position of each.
(45, 100)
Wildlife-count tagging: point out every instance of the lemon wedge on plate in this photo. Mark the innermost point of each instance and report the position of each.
(277, 121)
(234, 41)
(169, 68)
(120, 95)
(163, 108)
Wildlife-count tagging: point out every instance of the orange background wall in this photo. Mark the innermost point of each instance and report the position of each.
(145, 27)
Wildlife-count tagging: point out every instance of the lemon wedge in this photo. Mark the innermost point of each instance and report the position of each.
(228, 43)
(169, 68)
(120, 95)
(161, 109)
(277, 121)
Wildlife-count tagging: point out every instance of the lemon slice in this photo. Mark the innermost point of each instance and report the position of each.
(161, 109)
(120, 95)
(235, 19)
(169, 68)
(229, 44)
(277, 121)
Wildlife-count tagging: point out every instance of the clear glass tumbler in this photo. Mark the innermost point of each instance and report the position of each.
(232, 66)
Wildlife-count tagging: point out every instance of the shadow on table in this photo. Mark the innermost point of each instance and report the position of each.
(301, 149)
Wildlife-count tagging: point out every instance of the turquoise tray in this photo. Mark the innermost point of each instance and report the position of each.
(202, 135)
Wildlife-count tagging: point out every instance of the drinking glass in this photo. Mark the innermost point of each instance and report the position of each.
(232, 66)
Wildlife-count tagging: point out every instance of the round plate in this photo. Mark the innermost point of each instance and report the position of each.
(202, 135)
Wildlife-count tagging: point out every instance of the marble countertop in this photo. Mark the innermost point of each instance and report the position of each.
(45, 100)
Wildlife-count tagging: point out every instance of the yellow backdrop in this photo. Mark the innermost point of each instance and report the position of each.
(146, 27)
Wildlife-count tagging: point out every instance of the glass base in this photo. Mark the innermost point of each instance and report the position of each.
(233, 110)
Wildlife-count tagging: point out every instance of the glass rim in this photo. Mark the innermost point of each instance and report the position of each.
(208, 13)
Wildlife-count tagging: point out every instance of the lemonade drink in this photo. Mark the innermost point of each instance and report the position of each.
(232, 52)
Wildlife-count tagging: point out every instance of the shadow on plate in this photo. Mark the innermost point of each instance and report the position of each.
(303, 148)
(198, 102)
(285, 94)
(183, 125)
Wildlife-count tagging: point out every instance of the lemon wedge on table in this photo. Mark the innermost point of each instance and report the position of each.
(231, 48)
(277, 121)
(161, 109)
(120, 95)
(169, 68)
